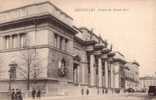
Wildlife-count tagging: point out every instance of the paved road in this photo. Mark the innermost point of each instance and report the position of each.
(103, 97)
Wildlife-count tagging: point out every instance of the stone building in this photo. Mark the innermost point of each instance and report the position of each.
(146, 81)
(131, 75)
(41, 48)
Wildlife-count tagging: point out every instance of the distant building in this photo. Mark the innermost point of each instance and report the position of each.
(146, 81)
(70, 59)
(131, 75)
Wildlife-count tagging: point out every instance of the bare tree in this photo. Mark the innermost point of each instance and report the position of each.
(30, 67)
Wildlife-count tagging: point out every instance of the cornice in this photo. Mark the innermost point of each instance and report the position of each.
(36, 20)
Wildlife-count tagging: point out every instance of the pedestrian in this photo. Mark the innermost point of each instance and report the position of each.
(19, 94)
(106, 91)
(82, 91)
(33, 93)
(13, 94)
(16, 94)
(38, 94)
(87, 92)
(103, 91)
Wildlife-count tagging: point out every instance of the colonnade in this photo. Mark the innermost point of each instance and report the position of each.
(108, 81)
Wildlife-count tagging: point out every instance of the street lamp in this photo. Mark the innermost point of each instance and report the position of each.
(12, 74)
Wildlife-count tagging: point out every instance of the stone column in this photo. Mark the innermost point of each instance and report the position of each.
(75, 75)
(18, 41)
(106, 74)
(83, 73)
(109, 75)
(100, 75)
(78, 74)
(92, 76)
(112, 76)
(10, 41)
(58, 42)
(99, 72)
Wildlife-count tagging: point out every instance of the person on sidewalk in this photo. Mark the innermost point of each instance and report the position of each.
(13, 94)
(82, 91)
(33, 93)
(38, 94)
(87, 92)
(19, 94)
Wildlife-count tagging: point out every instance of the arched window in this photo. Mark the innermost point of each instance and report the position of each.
(63, 62)
(12, 70)
(76, 73)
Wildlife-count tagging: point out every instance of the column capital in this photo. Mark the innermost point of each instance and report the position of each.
(106, 50)
(98, 47)
(104, 56)
(90, 48)
(111, 54)
(97, 53)
(111, 60)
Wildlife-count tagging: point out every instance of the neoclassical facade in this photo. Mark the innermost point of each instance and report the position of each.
(45, 50)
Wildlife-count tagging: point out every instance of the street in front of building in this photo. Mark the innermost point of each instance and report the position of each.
(134, 96)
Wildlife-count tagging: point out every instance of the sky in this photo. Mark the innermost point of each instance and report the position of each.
(130, 25)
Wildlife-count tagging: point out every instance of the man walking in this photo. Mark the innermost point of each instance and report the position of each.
(13, 95)
(33, 93)
(38, 95)
(19, 94)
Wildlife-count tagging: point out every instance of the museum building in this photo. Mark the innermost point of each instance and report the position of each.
(41, 48)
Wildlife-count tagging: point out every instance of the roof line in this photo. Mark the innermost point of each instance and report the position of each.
(37, 4)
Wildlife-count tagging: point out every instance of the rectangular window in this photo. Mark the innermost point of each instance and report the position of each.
(12, 72)
(60, 43)
(66, 44)
(14, 37)
(23, 41)
(7, 42)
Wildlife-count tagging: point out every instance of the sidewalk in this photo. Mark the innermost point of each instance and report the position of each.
(79, 96)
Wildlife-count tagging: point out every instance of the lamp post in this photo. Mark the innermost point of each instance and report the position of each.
(12, 74)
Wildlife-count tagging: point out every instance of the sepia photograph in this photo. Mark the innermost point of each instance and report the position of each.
(77, 49)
